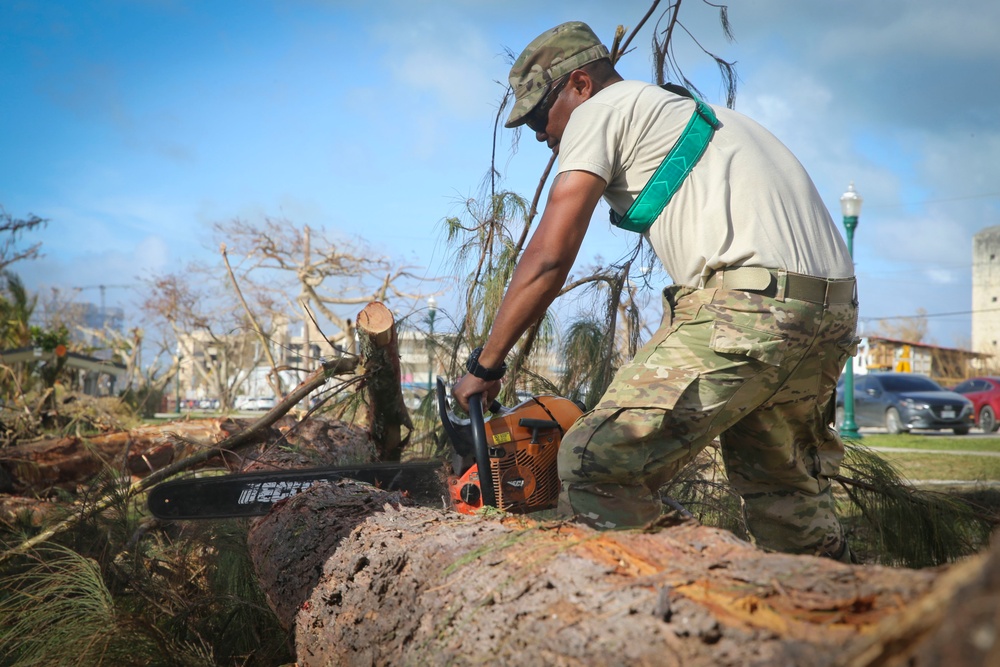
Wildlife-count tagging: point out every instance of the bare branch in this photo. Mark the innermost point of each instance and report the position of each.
(273, 377)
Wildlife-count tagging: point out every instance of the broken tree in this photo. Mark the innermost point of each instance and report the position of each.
(387, 413)
(367, 578)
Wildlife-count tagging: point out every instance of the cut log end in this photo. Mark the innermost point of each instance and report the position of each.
(377, 322)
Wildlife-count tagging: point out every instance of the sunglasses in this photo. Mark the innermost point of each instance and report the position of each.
(538, 119)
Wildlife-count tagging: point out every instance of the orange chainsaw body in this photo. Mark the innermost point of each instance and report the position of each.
(523, 444)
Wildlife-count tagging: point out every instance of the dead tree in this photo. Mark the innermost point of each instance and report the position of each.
(370, 579)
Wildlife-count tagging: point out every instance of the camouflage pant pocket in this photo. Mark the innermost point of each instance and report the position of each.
(764, 346)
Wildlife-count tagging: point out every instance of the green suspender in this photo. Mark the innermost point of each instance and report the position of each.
(672, 171)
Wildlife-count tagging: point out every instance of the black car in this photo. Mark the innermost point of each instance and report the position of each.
(903, 401)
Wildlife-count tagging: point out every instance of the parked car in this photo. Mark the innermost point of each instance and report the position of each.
(262, 403)
(899, 402)
(254, 403)
(984, 392)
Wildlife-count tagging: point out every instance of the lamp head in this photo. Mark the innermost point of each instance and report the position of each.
(850, 202)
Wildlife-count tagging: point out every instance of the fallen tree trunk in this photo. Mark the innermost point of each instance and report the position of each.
(387, 413)
(234, 443)
(376, 581)
(37, 467)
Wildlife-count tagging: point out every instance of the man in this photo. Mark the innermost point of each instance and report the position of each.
(757, 325)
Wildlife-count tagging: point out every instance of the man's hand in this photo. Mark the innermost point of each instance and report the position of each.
(470, 385)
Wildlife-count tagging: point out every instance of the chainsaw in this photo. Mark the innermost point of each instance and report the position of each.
(517, 447)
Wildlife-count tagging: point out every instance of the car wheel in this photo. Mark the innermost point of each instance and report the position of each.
(961, 430)
(893, 423)
(988, 420)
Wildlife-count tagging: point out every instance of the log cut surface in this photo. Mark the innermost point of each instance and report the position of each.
(400, 585)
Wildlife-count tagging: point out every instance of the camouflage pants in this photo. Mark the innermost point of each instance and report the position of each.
(757, 372)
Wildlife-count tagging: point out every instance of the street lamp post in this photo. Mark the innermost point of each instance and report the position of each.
(431, 312)
(850, 207)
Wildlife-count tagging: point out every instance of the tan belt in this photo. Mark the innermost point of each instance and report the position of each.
(784, 285)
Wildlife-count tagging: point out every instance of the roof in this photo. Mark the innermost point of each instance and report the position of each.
(74, 360)
(899, 341)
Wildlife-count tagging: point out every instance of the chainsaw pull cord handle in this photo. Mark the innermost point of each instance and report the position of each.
(481, 451)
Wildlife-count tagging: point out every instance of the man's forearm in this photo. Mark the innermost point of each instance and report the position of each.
(547, 261)
(530, 293)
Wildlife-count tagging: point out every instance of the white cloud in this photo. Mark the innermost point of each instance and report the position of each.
(450, 61)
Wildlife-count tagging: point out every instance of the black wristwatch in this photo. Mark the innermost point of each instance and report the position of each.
(482, 372)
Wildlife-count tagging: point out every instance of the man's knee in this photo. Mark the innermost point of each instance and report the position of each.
(600, 482)
(607, 446)
(580, 458)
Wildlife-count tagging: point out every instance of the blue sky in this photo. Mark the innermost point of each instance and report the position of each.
(133, 125)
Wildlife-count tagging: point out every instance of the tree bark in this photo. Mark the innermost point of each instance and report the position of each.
(66, 462)
(38, 468)
(370, 579)
(387, 413)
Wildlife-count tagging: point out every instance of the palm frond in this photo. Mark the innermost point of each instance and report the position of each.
(583, 353)
(702, 488)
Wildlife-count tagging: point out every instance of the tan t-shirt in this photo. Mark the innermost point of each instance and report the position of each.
(748, 201)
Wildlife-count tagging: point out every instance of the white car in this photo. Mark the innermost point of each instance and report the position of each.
(255, 403)
(263, 403)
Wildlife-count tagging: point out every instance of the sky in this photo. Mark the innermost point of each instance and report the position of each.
(134, 125)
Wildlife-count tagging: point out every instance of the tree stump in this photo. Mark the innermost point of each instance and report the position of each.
(387, 413)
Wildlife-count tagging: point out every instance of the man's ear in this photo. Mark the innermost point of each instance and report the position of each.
(582, 83)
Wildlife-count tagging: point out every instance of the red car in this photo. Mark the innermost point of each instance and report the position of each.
(984, 392)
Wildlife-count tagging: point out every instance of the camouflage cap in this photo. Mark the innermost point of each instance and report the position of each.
(550, 56)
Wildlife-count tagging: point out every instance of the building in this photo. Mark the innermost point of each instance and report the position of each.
(244, 365)
(986, 292)
(90, 375)
(945, 365)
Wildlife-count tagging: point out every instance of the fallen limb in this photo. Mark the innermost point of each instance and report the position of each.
(233, 443)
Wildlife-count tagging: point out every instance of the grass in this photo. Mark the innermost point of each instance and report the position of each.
(940, 458)
(938, 441)
(917, 467)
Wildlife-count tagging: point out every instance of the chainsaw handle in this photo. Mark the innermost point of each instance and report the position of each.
(449, 428)
(481, 451)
